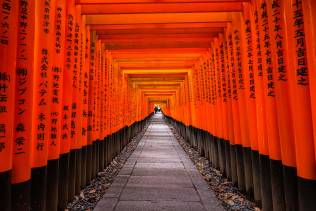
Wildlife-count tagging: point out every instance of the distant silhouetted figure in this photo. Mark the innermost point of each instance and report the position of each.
(156, 109)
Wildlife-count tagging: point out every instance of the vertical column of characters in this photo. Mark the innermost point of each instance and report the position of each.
(107, 61)
(263, 145)
(117, 97)
(110, 98)
(223, 79)
(200, 85)
(223, 85)
(255, 77)
(54, 143)
(66, 103)
(106, 107)
(197, 100)
(96, 105)
(236, 140)
(230, 120)
(191, 96)
(247, 29)
(99, 72)
(187, 108)
(84, 65)
(104, 77)
(22, 137)
(216, 132)
(43, 63)
(104, 133)
(101, 94)
(299, 74)
(206, 90)
(228, 70)
(248, 64)
(205, 94)
(219, 107)
(81, 149)
(121, 102)
(76, 97)
(213, 91)
(91, 70)
(240, 78)
(85, 101)
(309, 8)
(69, 106)
(269, 79)
(196, 96)
(283, 102)
(223, 73)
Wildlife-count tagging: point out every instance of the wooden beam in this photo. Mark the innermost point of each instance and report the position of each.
(152, 72)
(158, 7)
(162, 44)
(158, 53)
(158, 18)
(154, 37)
(150, 1)
(206, 25)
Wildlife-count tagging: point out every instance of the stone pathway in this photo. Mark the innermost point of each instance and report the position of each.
(159, 176)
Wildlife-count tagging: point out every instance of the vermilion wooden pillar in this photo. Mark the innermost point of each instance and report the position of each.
(299, 73)
(22, 150)
(43, 63)
(54, 144)
(8, 41)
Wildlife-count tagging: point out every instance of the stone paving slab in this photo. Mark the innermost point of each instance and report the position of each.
(161, 205)
(159, 176)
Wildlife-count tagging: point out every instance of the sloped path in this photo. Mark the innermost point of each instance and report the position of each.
(159, 176)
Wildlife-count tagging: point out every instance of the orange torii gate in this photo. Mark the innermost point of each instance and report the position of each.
(79, 78)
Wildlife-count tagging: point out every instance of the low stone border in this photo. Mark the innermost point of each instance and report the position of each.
(224, 190)
(91, 194)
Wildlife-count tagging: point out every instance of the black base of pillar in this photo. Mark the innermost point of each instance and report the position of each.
(265, 181)
(78, 171)
(89, 163)
(306, 194)
(21, 196)
(248, 171)
(290, 188)
(233, 165)
(256, 177)
(221, 154)
(72, 174)
(101, 155)
(63, 181)
(277, 185)
(5, 190)
(227, 159)
(38, 188)
(240, 168)
(83, 167)
(97, 157)
(52, 185)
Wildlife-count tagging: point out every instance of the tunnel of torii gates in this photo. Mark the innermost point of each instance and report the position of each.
(78, 79)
